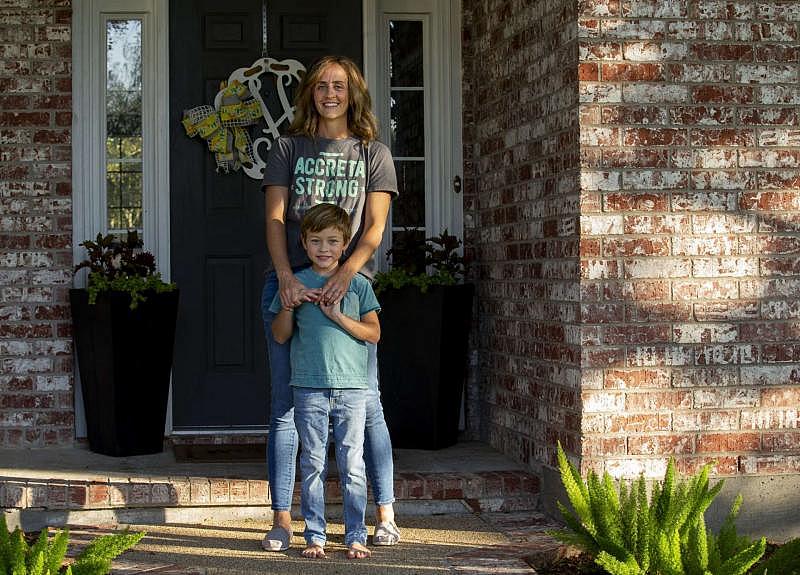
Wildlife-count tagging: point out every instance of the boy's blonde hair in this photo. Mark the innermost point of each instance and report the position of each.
(324, 216)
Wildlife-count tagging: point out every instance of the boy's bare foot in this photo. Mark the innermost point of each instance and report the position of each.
(358, 551)
(314, 551)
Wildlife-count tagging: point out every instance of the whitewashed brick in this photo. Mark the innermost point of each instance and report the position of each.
(654, 180)
(763, 375)
(773, 94)
(770, 419)
(784, 137)
(655, 51)
(726, 354)
(599, 93)
(703, 398)
(649, 356)
(655, 93)
(765, 74)
(723, 223)
(631, 467)
(601, 225)
(657, 268)
(603, 181)
(725, 267)
(705, 333)
(706, 420)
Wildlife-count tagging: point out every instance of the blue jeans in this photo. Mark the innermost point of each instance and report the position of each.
(346, 410)
(282, 440)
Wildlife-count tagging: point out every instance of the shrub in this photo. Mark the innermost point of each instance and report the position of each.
(46, 556)
(666, 534)
(121, 265)
(410, 257)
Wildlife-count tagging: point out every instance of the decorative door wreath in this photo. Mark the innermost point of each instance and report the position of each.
(238, 105)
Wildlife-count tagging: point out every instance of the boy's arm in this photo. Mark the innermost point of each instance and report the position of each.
(368, 329)
(283, 325)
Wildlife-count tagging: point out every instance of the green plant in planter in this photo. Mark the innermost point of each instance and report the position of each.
(45, 556)
(666, 534)
(121, 265)
(412, 255)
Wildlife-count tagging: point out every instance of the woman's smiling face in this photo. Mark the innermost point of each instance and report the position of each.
(330, 94)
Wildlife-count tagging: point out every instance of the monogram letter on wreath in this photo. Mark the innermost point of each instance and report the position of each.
(238, 105)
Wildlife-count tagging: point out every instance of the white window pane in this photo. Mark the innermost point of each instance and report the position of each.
(124, 124)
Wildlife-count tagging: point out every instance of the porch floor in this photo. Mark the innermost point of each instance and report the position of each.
(77, 486)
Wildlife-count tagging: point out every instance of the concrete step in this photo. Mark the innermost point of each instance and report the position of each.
(81, 488)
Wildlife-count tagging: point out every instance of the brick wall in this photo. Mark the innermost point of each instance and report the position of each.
(690, 211)
(36, 407)
(687, 337)
(521, 221)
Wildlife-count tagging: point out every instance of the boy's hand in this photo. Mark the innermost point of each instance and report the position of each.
(332, 310)
(312, 295)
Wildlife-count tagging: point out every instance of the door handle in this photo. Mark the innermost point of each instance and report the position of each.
(457, 184)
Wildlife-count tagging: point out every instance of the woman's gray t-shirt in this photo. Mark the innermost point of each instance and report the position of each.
(320, 170)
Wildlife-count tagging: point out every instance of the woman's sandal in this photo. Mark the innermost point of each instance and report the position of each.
(358, 551)
(277, 539)
(386, 533)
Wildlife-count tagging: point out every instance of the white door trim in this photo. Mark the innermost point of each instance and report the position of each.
(88, 145)
(443, 107)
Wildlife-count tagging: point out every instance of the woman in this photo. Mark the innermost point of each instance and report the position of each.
(330, 155)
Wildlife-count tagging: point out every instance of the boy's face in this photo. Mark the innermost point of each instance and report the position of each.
(324, 248)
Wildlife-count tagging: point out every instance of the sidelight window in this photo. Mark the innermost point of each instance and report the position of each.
(123, 102)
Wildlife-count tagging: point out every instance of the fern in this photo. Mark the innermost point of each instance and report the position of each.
(46, 557)
(107, 547)
(5, 545)
(665, 535)
(56, 550)
(91, 566)
(742, 561)
(617, 567)
(37, 551)
(17, 553)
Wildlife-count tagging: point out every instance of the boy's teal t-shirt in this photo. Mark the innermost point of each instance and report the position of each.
(324, 355)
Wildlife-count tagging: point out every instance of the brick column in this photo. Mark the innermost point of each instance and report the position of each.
(691, 204)
(677, 331)
(36, 407)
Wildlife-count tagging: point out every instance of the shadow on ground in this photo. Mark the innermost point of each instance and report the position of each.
(228, 548)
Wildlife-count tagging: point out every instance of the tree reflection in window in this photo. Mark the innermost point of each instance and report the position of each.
(124, 125)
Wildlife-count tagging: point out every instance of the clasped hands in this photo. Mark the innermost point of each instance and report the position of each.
(327, 297)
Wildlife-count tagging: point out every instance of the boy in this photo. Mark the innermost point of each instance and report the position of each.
(329, 376)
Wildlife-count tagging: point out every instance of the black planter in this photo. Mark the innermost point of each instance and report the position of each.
(422, 358)
(125, 360)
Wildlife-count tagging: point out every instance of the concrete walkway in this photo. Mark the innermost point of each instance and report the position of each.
(490, 543)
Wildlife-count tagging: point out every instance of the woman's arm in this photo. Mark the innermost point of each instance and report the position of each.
(283, 325)
(292, 291)
(376, 211)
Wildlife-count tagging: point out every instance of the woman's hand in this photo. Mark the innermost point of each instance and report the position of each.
(293, 292)
(334, 289)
